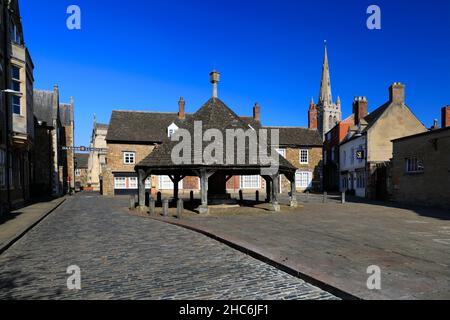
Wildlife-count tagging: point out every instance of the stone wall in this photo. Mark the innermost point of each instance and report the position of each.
(430, 187)
(314, 165)
(115, 162)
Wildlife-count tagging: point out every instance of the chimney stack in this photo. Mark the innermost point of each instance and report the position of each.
(181, 109)
(435, 125)
(312, 115)
(257, 112)
(360, 109)
(446, 117)
(397, 93)
(214, 78)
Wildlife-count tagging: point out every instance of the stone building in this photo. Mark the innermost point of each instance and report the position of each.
(66, 114)
(54, 127)
(367, 150)
(421, 166)
(16, 115)
(97, 159)
(81, 170)
(324, 115)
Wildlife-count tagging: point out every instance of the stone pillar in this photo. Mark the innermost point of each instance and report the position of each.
(275, 187)
(203, 209)
(141, 187)
(165, 208)
(293, 193)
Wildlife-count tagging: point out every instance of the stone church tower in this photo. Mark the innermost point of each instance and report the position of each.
(324, 115)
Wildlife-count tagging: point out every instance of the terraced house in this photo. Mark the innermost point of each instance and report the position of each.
(133, 135)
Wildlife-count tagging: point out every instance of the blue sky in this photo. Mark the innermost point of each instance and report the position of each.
(144, 55)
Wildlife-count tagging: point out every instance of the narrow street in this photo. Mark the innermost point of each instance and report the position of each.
(128, 257)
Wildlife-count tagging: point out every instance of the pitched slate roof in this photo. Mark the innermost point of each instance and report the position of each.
(81, 160)
(43, 106)
(214, 114)
(147, 127)
(298, 136)
(66, 114)
(140, 126)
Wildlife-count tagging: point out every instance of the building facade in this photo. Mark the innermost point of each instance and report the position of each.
(421, 168)
(366, 152)
(97, 157)
(17, 127)
(81, 170)
(53, 169)
(66, 115)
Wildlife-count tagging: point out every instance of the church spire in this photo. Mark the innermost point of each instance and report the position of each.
(325, 86)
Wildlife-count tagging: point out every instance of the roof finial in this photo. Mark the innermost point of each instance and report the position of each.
(214, 78)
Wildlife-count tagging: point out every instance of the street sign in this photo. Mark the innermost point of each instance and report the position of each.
(85, 149)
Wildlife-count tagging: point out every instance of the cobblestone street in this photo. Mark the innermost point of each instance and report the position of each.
(127, 257)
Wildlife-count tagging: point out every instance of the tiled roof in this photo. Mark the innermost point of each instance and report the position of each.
(43, 106)
(139, 126)
(214, 114)
(148, 127)
(81, 160)
(298, 136)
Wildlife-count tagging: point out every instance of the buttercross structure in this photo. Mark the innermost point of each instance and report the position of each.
(324, 115)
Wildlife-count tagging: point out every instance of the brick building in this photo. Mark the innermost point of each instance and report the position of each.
(366, 152)
(335, 137)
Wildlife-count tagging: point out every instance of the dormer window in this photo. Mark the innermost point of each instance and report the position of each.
(171, 130)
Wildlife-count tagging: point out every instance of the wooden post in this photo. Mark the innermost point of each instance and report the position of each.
(325, 195)
(343, 198)
(147, 199)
